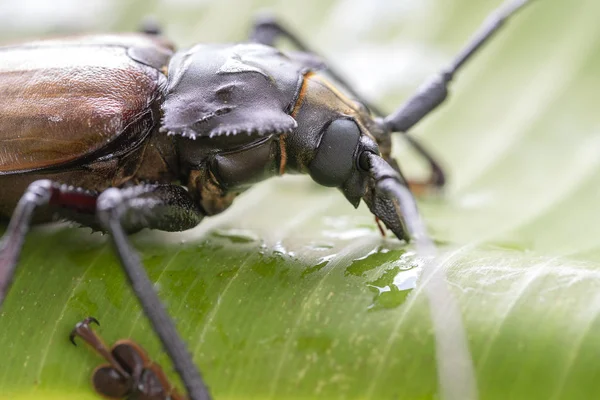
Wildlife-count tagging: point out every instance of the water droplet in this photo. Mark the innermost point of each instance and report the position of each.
(278, 248)
(373, 259)
(320, 246)
(394, 285)
(407, 280)
(322, 262)
(268, 265)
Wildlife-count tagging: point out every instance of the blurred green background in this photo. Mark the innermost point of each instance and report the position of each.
(292, 293)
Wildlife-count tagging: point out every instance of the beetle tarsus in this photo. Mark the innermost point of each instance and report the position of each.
(85, 332)
(130, 373)
(72, 337)
(85, 324)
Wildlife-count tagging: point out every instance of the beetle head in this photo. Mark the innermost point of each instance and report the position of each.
(333, 137)
(251, 90)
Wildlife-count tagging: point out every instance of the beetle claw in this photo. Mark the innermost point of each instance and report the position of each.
(85, 324)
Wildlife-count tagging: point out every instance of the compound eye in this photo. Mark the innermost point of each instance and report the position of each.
(334, 159)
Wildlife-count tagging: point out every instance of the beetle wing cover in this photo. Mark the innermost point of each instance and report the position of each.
(63, 100)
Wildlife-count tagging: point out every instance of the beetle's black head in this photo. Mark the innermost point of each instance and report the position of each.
(222, 93)
(333, 137)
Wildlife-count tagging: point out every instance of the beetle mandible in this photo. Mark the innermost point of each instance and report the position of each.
(121, 133)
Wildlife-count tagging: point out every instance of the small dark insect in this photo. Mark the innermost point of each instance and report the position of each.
(121, 133)
(129, 374)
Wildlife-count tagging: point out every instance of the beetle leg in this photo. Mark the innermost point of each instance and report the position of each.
(150, 26)
(436, 179)
(267, 30)
(39, 193)
(170, 208)
(434, 91)
(162, 207)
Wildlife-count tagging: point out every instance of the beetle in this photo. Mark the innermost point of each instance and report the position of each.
(129, 373)
(122, 132)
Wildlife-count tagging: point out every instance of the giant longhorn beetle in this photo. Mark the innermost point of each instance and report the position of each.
(121, 133)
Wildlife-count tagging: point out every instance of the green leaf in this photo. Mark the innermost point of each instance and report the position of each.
(293, 294)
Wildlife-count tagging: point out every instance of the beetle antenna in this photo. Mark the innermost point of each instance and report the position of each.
(456, 373)
(434, 91)
(490, 26)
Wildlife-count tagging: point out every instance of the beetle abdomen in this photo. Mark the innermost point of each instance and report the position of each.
(61, 101)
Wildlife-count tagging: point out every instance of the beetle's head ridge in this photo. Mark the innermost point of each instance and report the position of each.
(223, 90)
